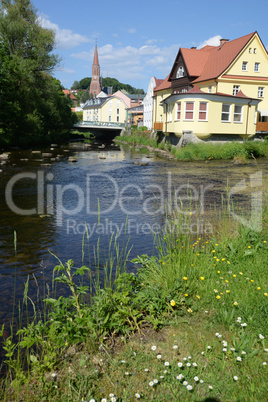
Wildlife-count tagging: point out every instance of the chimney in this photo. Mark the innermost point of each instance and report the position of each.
(193, 47)
(222, 41)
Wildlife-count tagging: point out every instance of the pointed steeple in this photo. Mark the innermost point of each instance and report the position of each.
(95, 87)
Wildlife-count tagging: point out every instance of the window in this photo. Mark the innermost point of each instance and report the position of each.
(180, 72)
(189, 111)
(260, 92)
(117, 111)
(257, 67)
(117, 119)
(249, 50)
(225, 113)
(238, 114)
(169, 112)
(203, 109)
(244, 66)
(178, 110)
(110, 118)
(255, 50)
(210, 89)
(236, 89)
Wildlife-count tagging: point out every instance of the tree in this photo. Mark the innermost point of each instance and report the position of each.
(25, 76)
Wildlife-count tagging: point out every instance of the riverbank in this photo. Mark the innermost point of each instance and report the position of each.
(190, 324)
(239, 152)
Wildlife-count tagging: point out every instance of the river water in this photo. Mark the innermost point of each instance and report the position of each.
(53, 205)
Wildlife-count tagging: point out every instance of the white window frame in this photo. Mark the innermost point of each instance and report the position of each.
(260, 92)
(238, 114)
(180, 72)
(245, 66)
(236, 89)
(257, 67)
(203, 111)
(187, 111)
(227, 113)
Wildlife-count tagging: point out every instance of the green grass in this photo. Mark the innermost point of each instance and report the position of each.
(202, 151)
(201, 303)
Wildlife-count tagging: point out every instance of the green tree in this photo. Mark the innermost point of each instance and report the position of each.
(26, 64)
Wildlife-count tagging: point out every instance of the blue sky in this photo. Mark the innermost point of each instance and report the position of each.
(140, 39)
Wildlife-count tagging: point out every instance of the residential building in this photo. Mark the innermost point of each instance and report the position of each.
(148, 103)
(109, 109)
(216, 90)
(68, 93)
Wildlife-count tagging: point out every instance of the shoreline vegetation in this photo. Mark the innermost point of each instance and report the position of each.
(189, 323)
(239, 152)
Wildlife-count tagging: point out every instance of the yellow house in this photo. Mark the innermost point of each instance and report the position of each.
(217, 90)
(110, 109)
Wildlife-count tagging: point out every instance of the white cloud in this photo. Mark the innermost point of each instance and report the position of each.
(132, 30)
(214, 41)
(64, 38)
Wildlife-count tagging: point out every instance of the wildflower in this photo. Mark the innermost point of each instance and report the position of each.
(92, 400)
(186, 295)
(234, 276)
(180, 364)
(252, 280)
(239, 359)
(218, 272)
(189, 310)
(113, 399)
(126, 373)
(235, 378)
(189, 387)
(213, 251)
(189, 357)
(104, 400)
(216, 290)
(153, 347)
(173, 303)
(201, 381)
(218, 297)
(265, 294)
(180, 377)
(185, 383)
(226, 281)
(249, 246)
(224, 349)
(208, 347)
(240, 273)
(217, 260)
(264, 364)
(217, 334)
(198, 296)
(196, 378)
(232, 349)
(228, 262)
(224, 343)
(146, 369)
(235, 304)
(165, 371)
(227, 291)
(161, 376)
(166, 364)
(185, 358)
(261, 336)
(175, 347)
(53, 375)
(258, 288)
(210, 387)
(194, 364)
(202, 278)
(111, 395)
(202, 353)
(155, 381)
(243, 352)
(266, 350)
(188, 364)
(185, 278)
(158, 356)
(123, 361)
(151, 383)
(244, 324)
(137, 396)
(238, 319)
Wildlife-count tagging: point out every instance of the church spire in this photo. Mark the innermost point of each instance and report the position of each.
(95, 88)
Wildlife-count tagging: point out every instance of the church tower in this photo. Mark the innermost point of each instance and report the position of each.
(95, 88)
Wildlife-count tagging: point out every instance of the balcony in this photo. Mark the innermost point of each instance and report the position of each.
(158, 126)
(262, 126)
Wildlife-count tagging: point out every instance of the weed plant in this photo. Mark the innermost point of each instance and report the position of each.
(191, 323)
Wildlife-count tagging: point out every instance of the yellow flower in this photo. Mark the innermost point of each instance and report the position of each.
(249, 246)
(228, 262)
(240, 273)
(235, 304)
(186, 295)
(218, 272)
(234, 276)
(264, 241)
(217, 260)
(227, 291)
(189, 310)
(213, 251)
(216, 244)
(221, 293)
(197, 254)
(215, 257)
(198, 296)
(185, 278)
(259, 288)
(202, 278)
(223, 259)
(163, 263)
(252, 280)
(265, 294)
(172, 302)
(227, 281)
(218, 297)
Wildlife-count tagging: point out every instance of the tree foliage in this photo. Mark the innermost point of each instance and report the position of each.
(32, 105)
(107, 82)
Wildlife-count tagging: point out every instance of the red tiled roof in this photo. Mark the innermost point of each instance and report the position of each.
(165, 84)
(67, 92)
(195, 90)
(220, 57)
(158, 82)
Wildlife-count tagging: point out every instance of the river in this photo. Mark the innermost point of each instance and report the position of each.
(67, 201)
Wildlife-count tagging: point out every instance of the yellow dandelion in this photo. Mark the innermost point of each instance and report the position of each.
(226, 281)
(215, 257)
(216, 244)
(218, 297)
(213, 251)
(249, 246)
(197, 254)
(228, 262)
(202, 278)
(264, 241)
(265, 294)
(259, 288)
(252, 280)
(198, 296)
(218, 272)
(240, 273)
(173, 303)
(223, 259)
(227, 291)
(163, 263)
(234, 276)
(217, 260)
(221, 293)
(185, 278)
(186, 295)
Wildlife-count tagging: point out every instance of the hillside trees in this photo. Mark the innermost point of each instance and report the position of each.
(107, 82)
(32, 106)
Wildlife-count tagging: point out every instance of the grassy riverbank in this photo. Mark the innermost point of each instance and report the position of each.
(241, 151)
(190, 324)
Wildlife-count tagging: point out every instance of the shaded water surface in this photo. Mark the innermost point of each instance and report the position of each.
(62, 206)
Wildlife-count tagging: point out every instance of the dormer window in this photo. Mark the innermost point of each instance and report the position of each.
(180, 72)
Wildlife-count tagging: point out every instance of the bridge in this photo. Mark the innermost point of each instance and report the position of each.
(101, 130)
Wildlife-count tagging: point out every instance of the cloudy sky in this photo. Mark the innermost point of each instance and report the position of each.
(140, 39)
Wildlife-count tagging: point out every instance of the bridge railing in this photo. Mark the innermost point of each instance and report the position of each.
(99, 124)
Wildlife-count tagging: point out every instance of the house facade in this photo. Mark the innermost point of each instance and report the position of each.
(148, 103)
(216, 90)
(110, 109)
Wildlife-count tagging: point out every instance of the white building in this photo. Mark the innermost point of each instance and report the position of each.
(148, 103)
